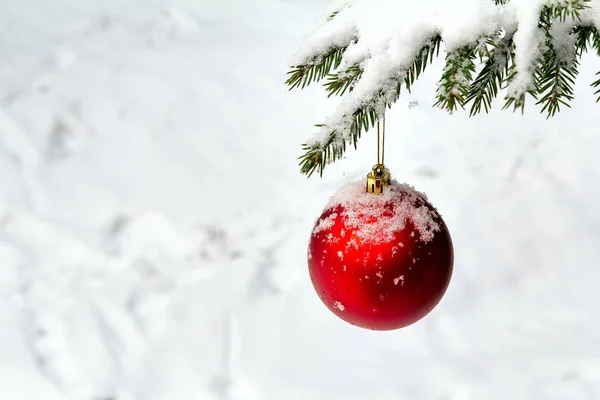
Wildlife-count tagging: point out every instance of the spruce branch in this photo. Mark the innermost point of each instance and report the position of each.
(428, 52)
(594, 38)
(453, 88)
(555, 76)
(516, 100)
(363, 117)
(561, 9)
(315, 69)
(587, 35)
(342, 81)
(495, 68)
(583, 38)
(549, 75)
(555, 79)
(549, 13)
(596, 84)
(317, 156)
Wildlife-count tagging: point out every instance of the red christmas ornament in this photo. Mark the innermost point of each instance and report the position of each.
(380, 261)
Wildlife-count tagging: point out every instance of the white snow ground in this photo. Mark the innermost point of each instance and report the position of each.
(153, 222)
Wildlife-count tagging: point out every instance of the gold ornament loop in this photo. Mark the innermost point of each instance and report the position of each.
(378, 179)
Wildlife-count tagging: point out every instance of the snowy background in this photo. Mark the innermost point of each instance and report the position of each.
(153, 222)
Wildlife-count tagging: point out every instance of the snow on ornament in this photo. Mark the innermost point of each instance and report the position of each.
(380, 257)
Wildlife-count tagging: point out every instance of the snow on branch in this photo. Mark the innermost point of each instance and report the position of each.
(369, 50)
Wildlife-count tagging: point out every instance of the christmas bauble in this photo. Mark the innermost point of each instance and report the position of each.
(380, 261)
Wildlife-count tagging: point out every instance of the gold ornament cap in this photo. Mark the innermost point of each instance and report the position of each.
(378, 179)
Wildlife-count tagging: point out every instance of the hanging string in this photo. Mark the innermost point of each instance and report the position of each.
(378, 141)
(381, 140)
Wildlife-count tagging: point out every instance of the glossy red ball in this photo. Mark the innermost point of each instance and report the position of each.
(380, 262)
